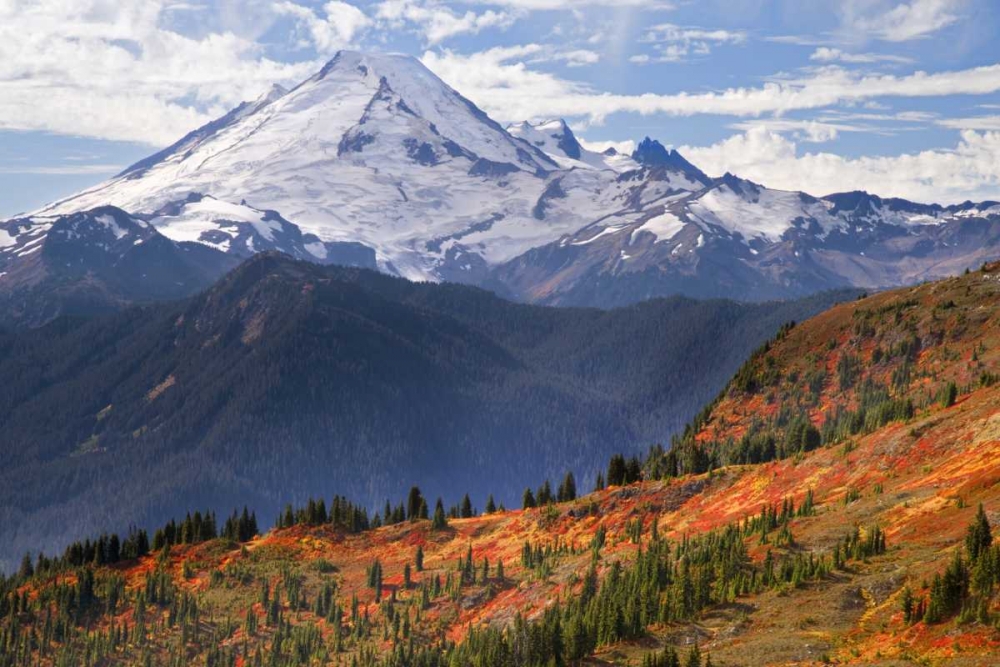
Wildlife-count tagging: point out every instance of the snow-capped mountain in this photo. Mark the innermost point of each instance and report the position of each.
(376, 162)
(738, 239)
(95, 261)
(557, 141)
(373, 149)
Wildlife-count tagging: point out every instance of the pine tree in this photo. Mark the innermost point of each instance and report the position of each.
(616, 470)
(440, 520)
(466, 511)
(528, 500)
(907, 605)
(599, 484)
(694, 657)
(27, 569)
(413, 501)
(979, 537)
(567, 489)
(544, 494)
(950, 395)
(490, 505)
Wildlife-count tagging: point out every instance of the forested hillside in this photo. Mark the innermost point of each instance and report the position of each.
(805, 517)
(289, 379)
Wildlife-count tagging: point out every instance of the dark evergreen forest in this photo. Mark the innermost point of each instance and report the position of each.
(288, 380)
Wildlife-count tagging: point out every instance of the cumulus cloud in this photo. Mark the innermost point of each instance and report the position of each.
(577, 57)
(438, 22)
(501, 81)
(900, 22)
(338, 27)
(970, 170)
(108, 69)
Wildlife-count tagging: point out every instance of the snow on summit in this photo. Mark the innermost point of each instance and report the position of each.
(372, 148)
(374, 161)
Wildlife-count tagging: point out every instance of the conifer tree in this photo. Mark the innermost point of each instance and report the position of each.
(694, 657)
(616, 470)
(567, 489)
(440, 520)
(413, 501)
(599, 483)
(907, 605)
(979, 537)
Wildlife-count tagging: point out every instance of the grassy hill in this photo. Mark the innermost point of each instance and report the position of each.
(868, 471)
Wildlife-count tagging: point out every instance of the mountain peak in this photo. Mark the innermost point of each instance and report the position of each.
(275, 92)
(380, 65)
(552, 137)
(651, 153)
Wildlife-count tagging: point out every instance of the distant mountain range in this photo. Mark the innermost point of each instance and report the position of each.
(287, 379)
(375, 162)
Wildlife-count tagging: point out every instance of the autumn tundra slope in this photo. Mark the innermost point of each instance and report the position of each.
(835, 505)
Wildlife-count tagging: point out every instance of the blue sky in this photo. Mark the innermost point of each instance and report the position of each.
(899, 98)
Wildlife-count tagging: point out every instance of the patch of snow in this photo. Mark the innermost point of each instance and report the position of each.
(756, 212)
(112, 224)
(664, 227)
(611, 229)
(316, 249)
(211, 214)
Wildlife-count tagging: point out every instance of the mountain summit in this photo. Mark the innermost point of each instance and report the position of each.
(374, 161)
(373, 149)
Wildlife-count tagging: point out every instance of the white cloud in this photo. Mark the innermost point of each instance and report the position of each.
(108, 69)
(437, 22)
(827, 54)
(500, 81)
(575, 4)
(812, 131)
(902, 22)
(624, 147)
(973, 123)
(970, 170)
(675, 43)
(340, 26)
(577, 57)
(838, 115)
